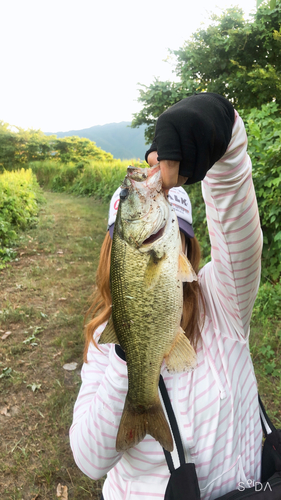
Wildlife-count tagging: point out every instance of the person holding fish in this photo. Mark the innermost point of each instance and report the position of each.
(169, 317)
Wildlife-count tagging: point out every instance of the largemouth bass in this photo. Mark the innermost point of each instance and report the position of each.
(147, 271)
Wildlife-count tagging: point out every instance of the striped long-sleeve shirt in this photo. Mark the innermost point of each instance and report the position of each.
(216, 405)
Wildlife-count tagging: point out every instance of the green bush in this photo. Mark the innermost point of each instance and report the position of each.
(265, 340)
(19, 198)
(100, 179)
(199, 220)
(268, 303)
(56, 176)
(264, 146)
(45, 171)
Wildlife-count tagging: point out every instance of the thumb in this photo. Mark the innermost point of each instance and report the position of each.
(170, 174)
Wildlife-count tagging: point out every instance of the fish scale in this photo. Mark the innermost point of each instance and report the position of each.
(142, 310)
(129, 314)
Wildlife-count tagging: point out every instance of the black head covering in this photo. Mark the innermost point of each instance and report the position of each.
(196, 132)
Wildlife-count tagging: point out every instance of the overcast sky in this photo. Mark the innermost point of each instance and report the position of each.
(72, 64)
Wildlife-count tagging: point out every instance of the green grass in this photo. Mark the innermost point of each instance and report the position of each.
(92, 178)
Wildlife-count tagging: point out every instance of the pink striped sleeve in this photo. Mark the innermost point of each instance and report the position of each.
(231, 280)
(98, 410)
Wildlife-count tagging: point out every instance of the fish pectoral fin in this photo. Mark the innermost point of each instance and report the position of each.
(136, 423)
(152, 272)
(182, 356)
(186, 271)
(108, 335)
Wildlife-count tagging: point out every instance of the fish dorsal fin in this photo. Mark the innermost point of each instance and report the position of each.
(181, 357)
(186, 271)
(108, 335)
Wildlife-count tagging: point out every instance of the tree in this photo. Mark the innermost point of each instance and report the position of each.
(232, 57)
(19, 147)
(156, 98)
(10, 147)
(75, 149)
(38, 146)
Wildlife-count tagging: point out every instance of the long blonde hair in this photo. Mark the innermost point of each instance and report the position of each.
(100, 310)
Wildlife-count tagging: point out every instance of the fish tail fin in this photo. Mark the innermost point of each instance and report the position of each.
(136, 423)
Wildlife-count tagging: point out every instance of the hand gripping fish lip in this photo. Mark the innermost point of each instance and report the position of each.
(141, 174)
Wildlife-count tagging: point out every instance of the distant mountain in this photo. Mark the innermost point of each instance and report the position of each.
(119, 139)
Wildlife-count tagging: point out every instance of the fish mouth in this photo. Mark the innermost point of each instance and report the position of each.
(140, 174)
(155, 236)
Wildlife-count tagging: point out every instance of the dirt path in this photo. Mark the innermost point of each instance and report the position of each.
(43, 297)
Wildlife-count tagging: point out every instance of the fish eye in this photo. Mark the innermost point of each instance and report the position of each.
(124, 193)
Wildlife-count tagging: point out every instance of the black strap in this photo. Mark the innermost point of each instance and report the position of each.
(174, 426)
(264, 415)
(119, 351)
(175, 429)
(169, 460)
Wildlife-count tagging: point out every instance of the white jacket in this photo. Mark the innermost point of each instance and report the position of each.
(216, 405)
